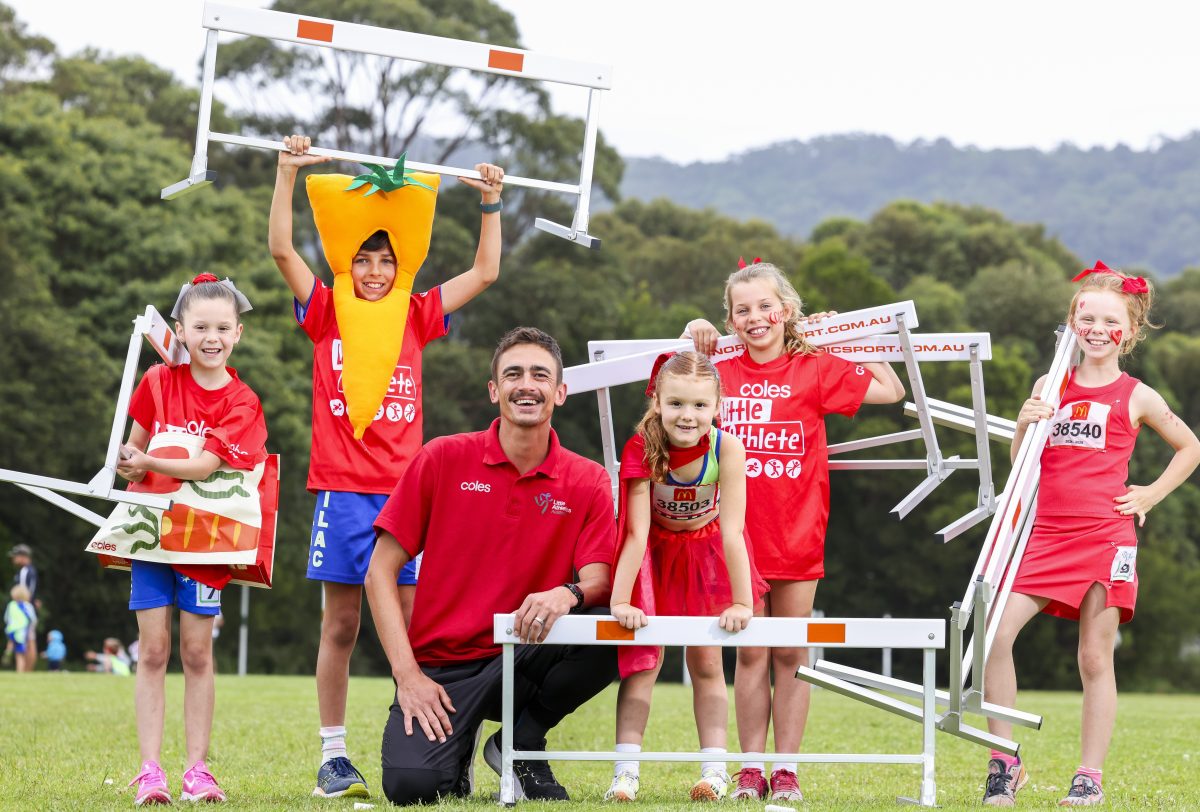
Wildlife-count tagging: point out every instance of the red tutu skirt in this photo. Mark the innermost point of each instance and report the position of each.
(1067, 554)
(689, 573)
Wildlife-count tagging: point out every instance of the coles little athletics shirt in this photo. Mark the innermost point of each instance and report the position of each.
(230, 420)
(492, 536)
(778, 411)
(338, 462)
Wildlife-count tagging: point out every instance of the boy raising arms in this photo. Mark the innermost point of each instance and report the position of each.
(353, 478)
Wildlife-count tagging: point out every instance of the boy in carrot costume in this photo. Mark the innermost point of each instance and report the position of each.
(368, 333)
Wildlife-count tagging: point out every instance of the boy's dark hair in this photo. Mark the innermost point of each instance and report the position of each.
(377, 241)
(528, 335)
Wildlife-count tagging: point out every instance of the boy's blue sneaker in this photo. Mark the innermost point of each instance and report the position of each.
(338, 778)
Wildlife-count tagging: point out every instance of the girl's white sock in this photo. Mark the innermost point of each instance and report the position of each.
(333, 743)
(634, 767)
(715, 765)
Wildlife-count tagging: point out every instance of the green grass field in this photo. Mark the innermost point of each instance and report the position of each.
(65, 737)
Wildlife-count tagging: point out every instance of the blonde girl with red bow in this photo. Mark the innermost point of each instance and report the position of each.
(1081, 559)
(681, 550)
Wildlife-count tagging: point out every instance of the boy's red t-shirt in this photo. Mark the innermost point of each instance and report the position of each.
(777, 410)
(338, 462)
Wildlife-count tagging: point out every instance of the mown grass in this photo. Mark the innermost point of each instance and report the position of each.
(65, 736)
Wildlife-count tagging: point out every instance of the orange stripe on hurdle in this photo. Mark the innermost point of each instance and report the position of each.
(827, 632)
(506, 60)
(310, 29)
(612, 630)
(1016, 515)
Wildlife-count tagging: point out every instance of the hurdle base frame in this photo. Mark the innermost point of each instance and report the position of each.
(189, 184)
(927, 635)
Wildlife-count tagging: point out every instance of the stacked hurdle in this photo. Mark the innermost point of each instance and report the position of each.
(980, 610)
(154, 329)
(873, 334)
(386, 42)
(926, 635)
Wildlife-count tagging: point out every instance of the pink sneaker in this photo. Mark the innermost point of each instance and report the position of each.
(785, 787)
(151, 785)
(199, 785)
(751, 785)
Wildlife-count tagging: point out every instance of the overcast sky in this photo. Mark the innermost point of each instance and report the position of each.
(701, 80)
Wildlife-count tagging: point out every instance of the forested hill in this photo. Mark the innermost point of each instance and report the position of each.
(1130, 208)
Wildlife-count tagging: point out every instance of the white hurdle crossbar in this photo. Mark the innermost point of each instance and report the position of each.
(386, 42)
(154, 328)
(926, 635)
(871, 334)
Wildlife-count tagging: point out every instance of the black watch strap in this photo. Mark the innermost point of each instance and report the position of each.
(578, 593)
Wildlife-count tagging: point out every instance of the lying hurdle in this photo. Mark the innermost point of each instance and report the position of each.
(982, 606)
(154, 329)
(386, 42)
(872, 334)
(927, 635)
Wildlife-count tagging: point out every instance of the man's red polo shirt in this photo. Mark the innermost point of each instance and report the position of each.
(492, 536)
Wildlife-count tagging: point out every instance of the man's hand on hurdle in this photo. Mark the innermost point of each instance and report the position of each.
(736, 618)
(539, 611)
(424, 700)
(629, 616)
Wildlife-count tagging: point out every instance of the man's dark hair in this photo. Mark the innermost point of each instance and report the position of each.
(528, 335)
(377, 241)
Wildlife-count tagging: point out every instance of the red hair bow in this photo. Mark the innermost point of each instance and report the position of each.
(658, 362)
(204, 277)
(742, 262)
(1129, 284)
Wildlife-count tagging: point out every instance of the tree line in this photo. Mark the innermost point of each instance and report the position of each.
(87, 140)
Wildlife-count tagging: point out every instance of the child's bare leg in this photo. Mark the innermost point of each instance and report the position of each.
(633, 704)
(752, 697)
(339, 632)
(710, 700)
(1000, 672)
(154, 647)
(1097, 634)
(195, 650)
(789, 709)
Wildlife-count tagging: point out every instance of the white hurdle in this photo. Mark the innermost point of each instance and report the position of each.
(154, 328)
(872, 334)
(592, 630)
(386, 42)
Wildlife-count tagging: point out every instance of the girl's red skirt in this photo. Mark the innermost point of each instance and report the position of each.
(689, 572)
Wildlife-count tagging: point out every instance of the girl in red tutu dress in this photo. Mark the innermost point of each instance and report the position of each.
(1080, 561)
(676, 557)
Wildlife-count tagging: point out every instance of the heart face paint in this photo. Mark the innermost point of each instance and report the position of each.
(774, 317)
(1115, 335)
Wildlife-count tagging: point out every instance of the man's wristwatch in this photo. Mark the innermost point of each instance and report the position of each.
(578, 593)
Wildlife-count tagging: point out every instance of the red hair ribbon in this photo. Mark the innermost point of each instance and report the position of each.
(1129, 284)
(658, 362)
(742, 262)
(204, 277)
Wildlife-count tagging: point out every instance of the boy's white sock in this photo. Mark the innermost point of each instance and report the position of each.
(716, 765)
(333, 743)
(634, 767)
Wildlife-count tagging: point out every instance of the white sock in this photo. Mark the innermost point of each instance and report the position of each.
(333, 743)
(714, 765)
(754, 765)
(634, 767)
(790, 766)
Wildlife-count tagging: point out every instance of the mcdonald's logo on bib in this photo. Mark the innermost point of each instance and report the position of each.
(685, 494)
(1079, 411)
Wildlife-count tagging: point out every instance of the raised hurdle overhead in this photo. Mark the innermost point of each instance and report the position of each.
(154, 328)
(871, 334)
(979, 612)
(386, 42)
(925, 635)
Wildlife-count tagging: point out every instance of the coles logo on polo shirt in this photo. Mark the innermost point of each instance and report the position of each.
(549, 504)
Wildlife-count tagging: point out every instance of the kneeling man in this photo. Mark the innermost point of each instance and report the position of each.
(509, 521)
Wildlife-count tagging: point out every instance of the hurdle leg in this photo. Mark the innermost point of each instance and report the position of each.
(508, 796)
(200, 174)
(928, 780)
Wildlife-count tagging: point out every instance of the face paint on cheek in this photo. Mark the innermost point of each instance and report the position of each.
(1115, 335)
(774, 317)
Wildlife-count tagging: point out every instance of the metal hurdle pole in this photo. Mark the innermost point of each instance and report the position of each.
(925, 635)
(385, 42)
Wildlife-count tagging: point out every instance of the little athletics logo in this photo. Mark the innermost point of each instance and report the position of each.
(548, 503)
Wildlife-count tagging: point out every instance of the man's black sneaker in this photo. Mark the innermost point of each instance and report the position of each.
(535, 781)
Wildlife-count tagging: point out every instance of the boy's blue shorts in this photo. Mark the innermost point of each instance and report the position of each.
(154, 585)
(343, 538)
(18, 645)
